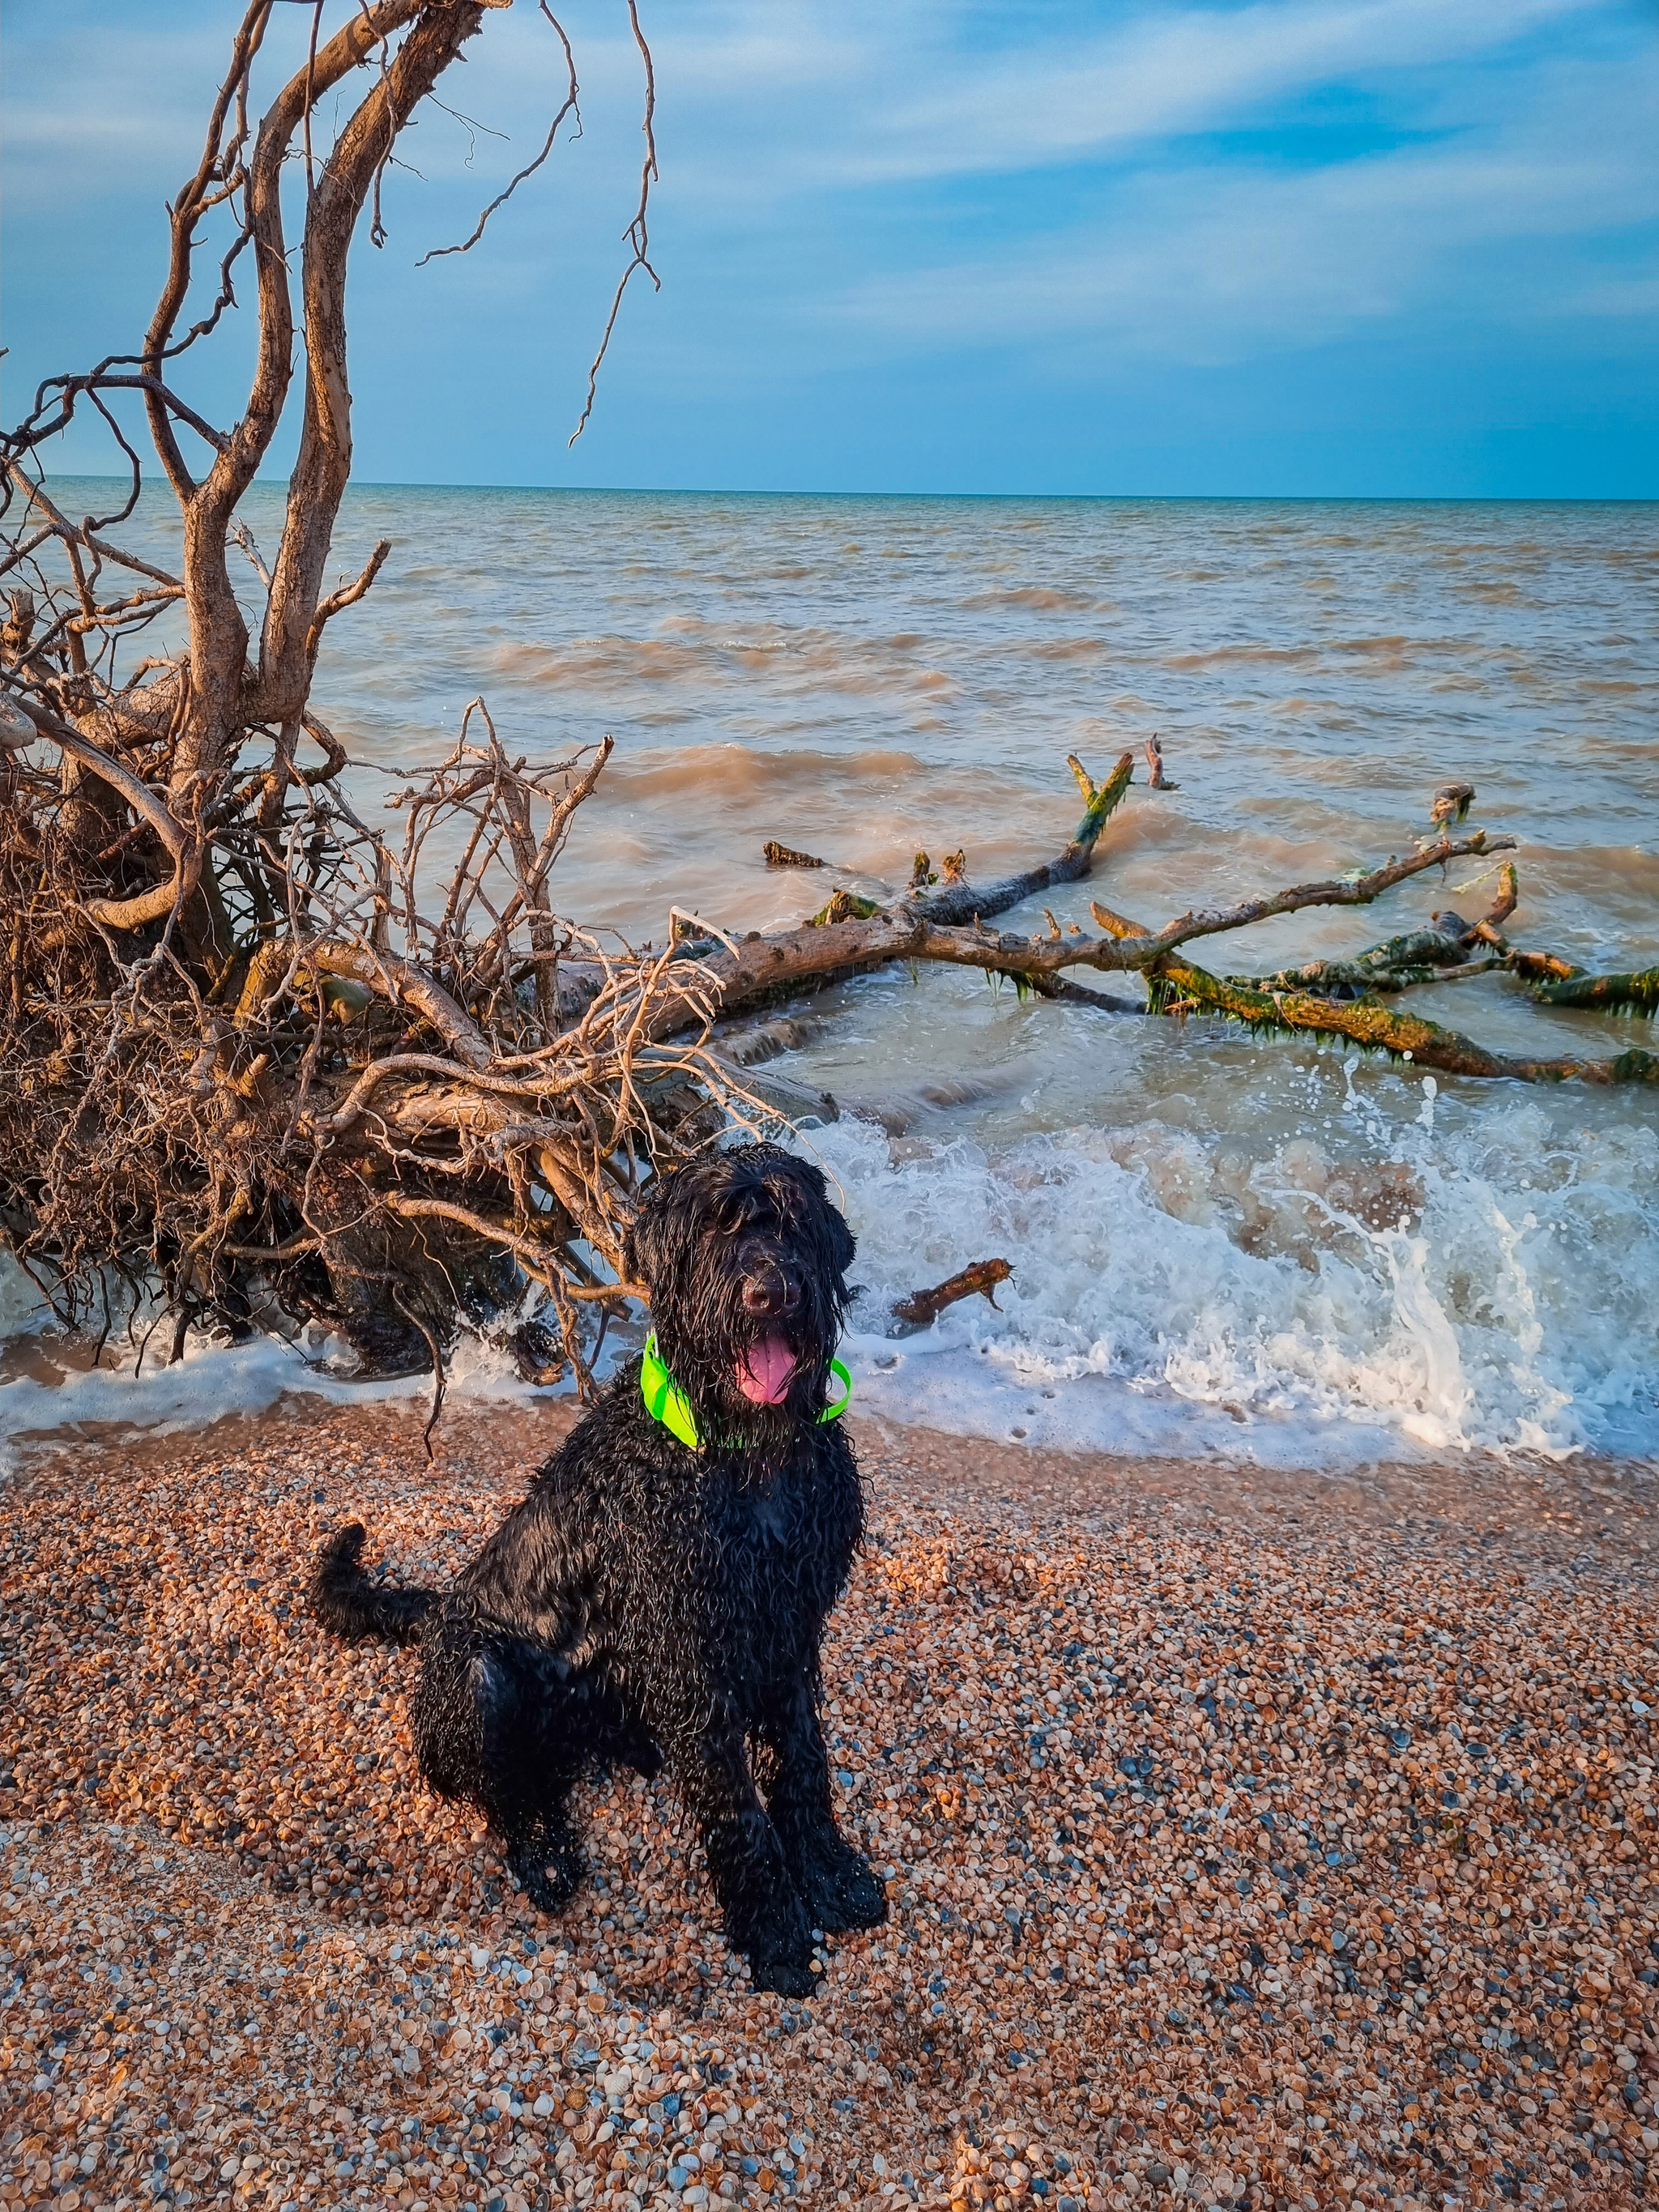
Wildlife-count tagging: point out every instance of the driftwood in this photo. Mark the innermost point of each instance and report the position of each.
(863, 935)
(963, 901)
(923, 1308)
(265, 1056)
(1440, 953)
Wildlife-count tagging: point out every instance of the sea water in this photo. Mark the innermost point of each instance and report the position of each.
(1263, 1248)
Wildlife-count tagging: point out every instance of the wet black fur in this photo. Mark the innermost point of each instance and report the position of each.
(650, 1603)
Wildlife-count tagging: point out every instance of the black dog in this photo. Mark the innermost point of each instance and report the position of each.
(659, 1597)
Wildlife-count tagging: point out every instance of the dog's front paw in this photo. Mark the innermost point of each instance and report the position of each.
(839, 1886)
(772, 1930)
(788, 1973)
(549, 1870)
(852, 1898)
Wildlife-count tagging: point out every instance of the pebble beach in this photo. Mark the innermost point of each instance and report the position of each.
(1249, 1840)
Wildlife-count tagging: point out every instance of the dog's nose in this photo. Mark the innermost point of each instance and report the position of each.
(767, 1293)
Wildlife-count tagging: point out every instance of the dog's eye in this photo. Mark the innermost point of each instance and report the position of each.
(747, 1218)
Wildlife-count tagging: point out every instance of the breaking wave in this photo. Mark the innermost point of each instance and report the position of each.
(1380, 1292)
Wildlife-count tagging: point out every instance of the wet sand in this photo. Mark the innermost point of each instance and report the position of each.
(1249, 1838)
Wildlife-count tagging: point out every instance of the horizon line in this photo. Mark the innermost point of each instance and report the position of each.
(1121, 498)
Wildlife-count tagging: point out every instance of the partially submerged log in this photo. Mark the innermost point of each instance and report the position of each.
(1437, 954)
(1180, 987)
(768, 968)
(963, 901)
(1631, 994)
(859, 933)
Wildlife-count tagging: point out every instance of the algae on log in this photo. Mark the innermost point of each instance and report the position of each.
(1417, 956)
(1636, 994)
(1178, 986)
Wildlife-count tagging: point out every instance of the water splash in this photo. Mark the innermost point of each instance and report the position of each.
(1411, 1297)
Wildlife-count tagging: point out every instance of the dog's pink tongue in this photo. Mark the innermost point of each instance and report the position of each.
(765, 1379)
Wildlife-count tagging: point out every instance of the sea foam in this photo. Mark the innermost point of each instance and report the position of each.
(1492, 1291)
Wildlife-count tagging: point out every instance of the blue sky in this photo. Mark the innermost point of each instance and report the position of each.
(1390, 247)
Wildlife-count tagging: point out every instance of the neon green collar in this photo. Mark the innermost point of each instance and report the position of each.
(666, 1402)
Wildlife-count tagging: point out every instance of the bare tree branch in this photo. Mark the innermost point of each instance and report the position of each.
(1344, 890)
(637, 233)
(138, 795)
(348, 596)
(567, 107)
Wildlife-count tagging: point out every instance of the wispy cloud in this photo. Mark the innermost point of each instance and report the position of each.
(1208, 262)
(1168, 75)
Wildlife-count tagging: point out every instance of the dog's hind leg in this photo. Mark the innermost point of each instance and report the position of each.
(490, 1729)
(764, 1916)
(530, 1763)
(837, 1883)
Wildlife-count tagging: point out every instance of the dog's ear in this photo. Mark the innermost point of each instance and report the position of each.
(644, 1246)
(842, 1243)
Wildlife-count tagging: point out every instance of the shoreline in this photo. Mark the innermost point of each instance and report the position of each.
(1607, 1503)
(1175, 1917)
(1322, 1452)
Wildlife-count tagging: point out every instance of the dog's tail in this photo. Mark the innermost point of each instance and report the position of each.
(345, 1600)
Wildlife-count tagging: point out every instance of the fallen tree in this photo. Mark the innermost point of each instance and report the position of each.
(281, 1066)
(1343, 1004)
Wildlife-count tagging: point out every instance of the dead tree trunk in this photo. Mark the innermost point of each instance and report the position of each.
(194, 914)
